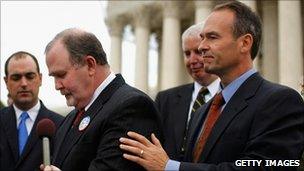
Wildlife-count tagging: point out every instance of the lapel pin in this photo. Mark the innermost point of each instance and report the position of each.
(84, 123)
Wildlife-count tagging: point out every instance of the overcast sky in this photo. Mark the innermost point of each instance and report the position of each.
(30, 25)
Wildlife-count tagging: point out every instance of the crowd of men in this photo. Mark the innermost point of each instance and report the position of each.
(228, 113)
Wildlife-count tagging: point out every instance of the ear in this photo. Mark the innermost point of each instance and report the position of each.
(40, 77)
(91, 63)
(246, 43)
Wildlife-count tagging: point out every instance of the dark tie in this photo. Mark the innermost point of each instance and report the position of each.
(79, 115)
(22, 131)
(212, 116)
(199, 101)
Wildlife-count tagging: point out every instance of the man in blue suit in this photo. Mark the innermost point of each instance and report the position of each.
(249, 119)
(20, 147)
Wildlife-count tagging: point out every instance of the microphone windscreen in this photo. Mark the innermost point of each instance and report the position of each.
(45, 128)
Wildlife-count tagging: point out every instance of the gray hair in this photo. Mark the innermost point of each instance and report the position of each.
(193, 31)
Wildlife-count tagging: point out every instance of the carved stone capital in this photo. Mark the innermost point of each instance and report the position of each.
(115, 25)
(141, 16)
(171, 9)
(205, 4)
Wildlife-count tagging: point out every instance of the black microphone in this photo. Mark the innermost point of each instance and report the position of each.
(45, 130)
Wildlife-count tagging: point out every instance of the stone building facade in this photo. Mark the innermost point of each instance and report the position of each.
(281, 55)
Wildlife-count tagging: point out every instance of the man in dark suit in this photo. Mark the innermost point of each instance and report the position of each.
(178, 104)
(23, 79)
(106, 107)
(250, 119)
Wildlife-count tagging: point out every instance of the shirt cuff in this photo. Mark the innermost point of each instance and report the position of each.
(172, 165)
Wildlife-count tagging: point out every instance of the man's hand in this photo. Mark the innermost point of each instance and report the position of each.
(151, 156)
(49, 168)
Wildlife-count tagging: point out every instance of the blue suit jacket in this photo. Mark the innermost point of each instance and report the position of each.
(262, 121)
(31, 158)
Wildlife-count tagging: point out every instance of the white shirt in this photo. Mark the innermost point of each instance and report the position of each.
(100, 88)
(213, 88)
(33, 112)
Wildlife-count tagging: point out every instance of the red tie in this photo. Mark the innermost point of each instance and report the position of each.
(213, 114)
(78, 117)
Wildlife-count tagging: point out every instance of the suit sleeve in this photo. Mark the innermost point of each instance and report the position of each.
(137, 114)
(277, 133)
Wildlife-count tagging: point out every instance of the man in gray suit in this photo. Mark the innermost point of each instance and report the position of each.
(20, 147)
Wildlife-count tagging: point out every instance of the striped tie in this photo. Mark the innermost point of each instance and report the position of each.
(199, 101)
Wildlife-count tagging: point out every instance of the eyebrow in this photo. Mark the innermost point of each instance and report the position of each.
(24, 73)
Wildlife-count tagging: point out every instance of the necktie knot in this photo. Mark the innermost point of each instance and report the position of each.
(203, 91)
(79, 115)
(218, 99)
(24, 116)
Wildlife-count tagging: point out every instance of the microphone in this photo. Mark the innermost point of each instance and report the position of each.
(45, 130)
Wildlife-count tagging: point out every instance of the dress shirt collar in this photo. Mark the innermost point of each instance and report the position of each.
(100, 88)
(33, 112)
(231, 88)
(212, 88)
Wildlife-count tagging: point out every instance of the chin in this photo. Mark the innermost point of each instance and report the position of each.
(70, 102)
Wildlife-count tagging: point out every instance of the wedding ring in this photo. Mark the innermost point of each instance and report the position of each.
(141, 153)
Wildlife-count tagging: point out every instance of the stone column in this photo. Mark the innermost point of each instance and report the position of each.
(202, 10)
(252, 4)
(115, 26)
(159, 70)
(290, 43)
(270, 41)
(142, 35)
(171, 46)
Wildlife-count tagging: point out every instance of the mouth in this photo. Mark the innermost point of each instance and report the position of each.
(67, 95)
(207, 56)
(196, 70)
(24, 93)
(207, 59)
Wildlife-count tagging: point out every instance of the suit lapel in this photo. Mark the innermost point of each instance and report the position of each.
(237, 103)
(66, 146)
(195, 129)
(62, 133)
(182, 103)
(33, 137)
(9, 123)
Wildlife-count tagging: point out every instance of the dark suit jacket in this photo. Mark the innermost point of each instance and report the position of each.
(261, 121)
(31, 158)
(118, 109)
(173, 105)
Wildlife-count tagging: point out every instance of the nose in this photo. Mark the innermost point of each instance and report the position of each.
(193, 58)
(24, 82)
(203, 46)
(58, 84)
